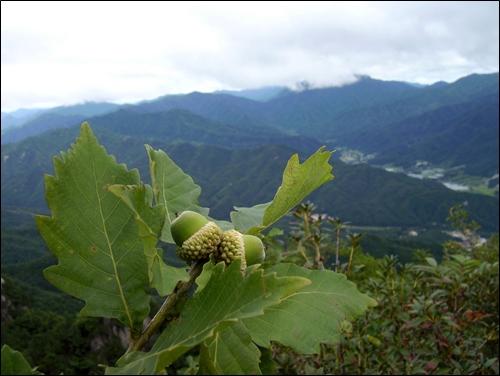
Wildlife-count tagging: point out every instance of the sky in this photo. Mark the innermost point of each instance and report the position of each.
(62, 53)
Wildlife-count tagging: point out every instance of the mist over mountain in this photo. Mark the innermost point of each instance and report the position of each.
(261, 94)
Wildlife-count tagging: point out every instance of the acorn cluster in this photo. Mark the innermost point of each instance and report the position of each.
(197, 238)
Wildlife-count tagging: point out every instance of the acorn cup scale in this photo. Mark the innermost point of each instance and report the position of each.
(235, 245)
(195, 236)
(231, 247)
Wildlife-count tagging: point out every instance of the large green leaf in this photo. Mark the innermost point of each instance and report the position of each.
(299, 180)
(227, 297)
(173, 188)
(94, 235)
(14, 363)
(316, 314)
(150, 221)
(230, 352)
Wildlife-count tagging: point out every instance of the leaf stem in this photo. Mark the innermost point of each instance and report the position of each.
(160, 317)
(301, 249)
(337, 235)
(350, 261)
(318, 259)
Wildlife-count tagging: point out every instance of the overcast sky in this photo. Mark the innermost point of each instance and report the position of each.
(59, 53)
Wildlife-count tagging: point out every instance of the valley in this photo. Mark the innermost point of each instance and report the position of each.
(453, 178)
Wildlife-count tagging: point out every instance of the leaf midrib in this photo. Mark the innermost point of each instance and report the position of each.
(110, 246)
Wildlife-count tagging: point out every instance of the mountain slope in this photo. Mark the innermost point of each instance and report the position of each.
(305, 112)
(219, 107)
(86, 109)
(29, 123)
(18, 117)
(40, 125)
(461, 134)
(348, 123)
(184, 126)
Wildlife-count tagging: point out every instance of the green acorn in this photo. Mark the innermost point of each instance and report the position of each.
(247, 247)
(254, 250)
(195, 236)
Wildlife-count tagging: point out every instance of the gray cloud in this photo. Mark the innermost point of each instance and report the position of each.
(138, 51)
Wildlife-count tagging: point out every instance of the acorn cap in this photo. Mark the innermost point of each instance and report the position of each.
(201, 243)
(231, 247)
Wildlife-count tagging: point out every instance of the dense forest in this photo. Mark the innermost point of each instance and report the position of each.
(433, 316)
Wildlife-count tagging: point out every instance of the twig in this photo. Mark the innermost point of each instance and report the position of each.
(160, 317)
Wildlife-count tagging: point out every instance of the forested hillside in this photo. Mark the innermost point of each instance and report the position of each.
(460, 134)
(244, 177)
(177, 125)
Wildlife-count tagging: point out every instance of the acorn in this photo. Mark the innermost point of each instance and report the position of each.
(230, 248)
(235, 245)
(195, 235)
(254, 250)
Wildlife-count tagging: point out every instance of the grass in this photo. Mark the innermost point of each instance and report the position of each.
(493, 192)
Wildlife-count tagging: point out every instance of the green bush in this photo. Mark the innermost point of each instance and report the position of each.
(431, 318)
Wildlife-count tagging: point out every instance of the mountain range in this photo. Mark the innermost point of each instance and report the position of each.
(451, 125)
(236, 147)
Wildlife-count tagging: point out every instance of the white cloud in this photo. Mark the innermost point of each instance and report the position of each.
(67, 52)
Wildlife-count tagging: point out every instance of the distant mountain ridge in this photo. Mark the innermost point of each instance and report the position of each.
(178, 125)
(372, 115)
(18, 117)
(40, 124)
(23, 117)
(262, 94)
(220, 107)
